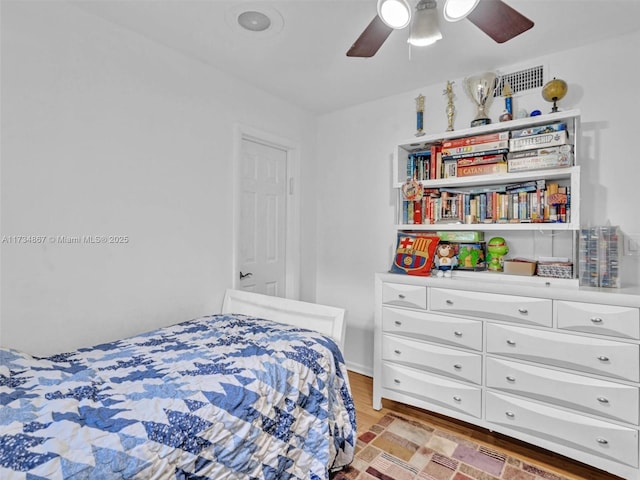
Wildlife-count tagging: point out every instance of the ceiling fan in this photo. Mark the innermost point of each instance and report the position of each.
(494, 17)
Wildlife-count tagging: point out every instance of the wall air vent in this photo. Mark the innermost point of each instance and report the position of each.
(520, 81)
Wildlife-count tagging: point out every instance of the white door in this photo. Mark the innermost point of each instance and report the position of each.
(262, 232)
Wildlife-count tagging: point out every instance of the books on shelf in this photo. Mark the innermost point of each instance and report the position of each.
(536, 201)
(537, 147)
(418, 165)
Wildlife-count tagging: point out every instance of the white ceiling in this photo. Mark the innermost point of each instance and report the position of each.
(305, 61)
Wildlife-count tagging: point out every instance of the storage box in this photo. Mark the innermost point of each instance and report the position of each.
(518, 266)
(461, 236)
(555, 269)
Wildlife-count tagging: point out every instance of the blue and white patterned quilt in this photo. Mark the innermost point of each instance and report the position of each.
(219, 397)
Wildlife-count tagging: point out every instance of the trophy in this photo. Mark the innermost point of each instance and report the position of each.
(420, 115)
(451, 109)
(480, 88)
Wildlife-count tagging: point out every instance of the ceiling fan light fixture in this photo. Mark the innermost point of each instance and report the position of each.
(395, 13)
(455, 10)
(424, 27)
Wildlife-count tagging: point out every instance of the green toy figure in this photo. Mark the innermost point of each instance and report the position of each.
(496, 250)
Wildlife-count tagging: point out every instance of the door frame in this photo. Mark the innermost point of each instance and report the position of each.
(292, 240)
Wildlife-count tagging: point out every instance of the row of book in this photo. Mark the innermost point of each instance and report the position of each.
(528, 202)
(533, 148)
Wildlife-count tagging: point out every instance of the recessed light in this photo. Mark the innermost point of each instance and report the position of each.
(254, 21)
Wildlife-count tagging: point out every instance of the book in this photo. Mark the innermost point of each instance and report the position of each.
(486, 169)
(457, 156)
(480, 147)
(529, 186)
(418, 165)
(475, 140)
(541, 140)
(480, 160)
(527, 132)
(435, 168)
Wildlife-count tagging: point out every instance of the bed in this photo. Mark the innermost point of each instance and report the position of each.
(259, 391)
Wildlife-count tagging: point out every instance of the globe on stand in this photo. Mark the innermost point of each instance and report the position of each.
(553, 91)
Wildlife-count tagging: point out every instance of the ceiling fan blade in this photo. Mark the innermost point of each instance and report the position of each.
(499, 20)
(371, 39)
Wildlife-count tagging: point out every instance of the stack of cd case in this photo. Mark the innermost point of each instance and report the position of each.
(600, 250)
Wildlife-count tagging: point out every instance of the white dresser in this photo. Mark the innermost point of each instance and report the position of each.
(556, 367)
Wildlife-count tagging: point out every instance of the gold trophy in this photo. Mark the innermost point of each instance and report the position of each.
(480, 88)
(451, 109)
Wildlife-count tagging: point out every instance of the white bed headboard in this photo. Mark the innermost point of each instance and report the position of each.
(321, 318)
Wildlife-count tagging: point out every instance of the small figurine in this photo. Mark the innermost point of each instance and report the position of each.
(496, 250)
(445, 259)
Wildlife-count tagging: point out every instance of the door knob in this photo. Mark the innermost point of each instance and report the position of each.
(245, 275)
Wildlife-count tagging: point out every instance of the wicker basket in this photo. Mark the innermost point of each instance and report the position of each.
(555, 269)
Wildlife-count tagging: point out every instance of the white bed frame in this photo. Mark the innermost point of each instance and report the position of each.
(321, 318)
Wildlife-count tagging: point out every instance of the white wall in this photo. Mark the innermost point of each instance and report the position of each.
(355, 148)
(107, 133)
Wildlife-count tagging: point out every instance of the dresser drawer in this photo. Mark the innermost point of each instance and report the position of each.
(533, 311)
(433, 327)
(590, 395)
(586, 354)
(600, 319)
(453, 363)
(437, 390)
(580, 432)
(414, 296)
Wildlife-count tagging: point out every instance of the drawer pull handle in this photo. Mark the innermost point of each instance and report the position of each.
(603, 399)
(603, 358)
(523, 311)
(457, 333)
(457, 366)
(510, 414)
(396, 381)
(510, 378)
(456, 398)
(398, 323)
(397, 352)
(449, 302)
(401, 296)
(602, 441)
(511, 342)
(596, 319)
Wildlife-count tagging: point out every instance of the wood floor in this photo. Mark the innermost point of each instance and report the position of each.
(362, 390)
